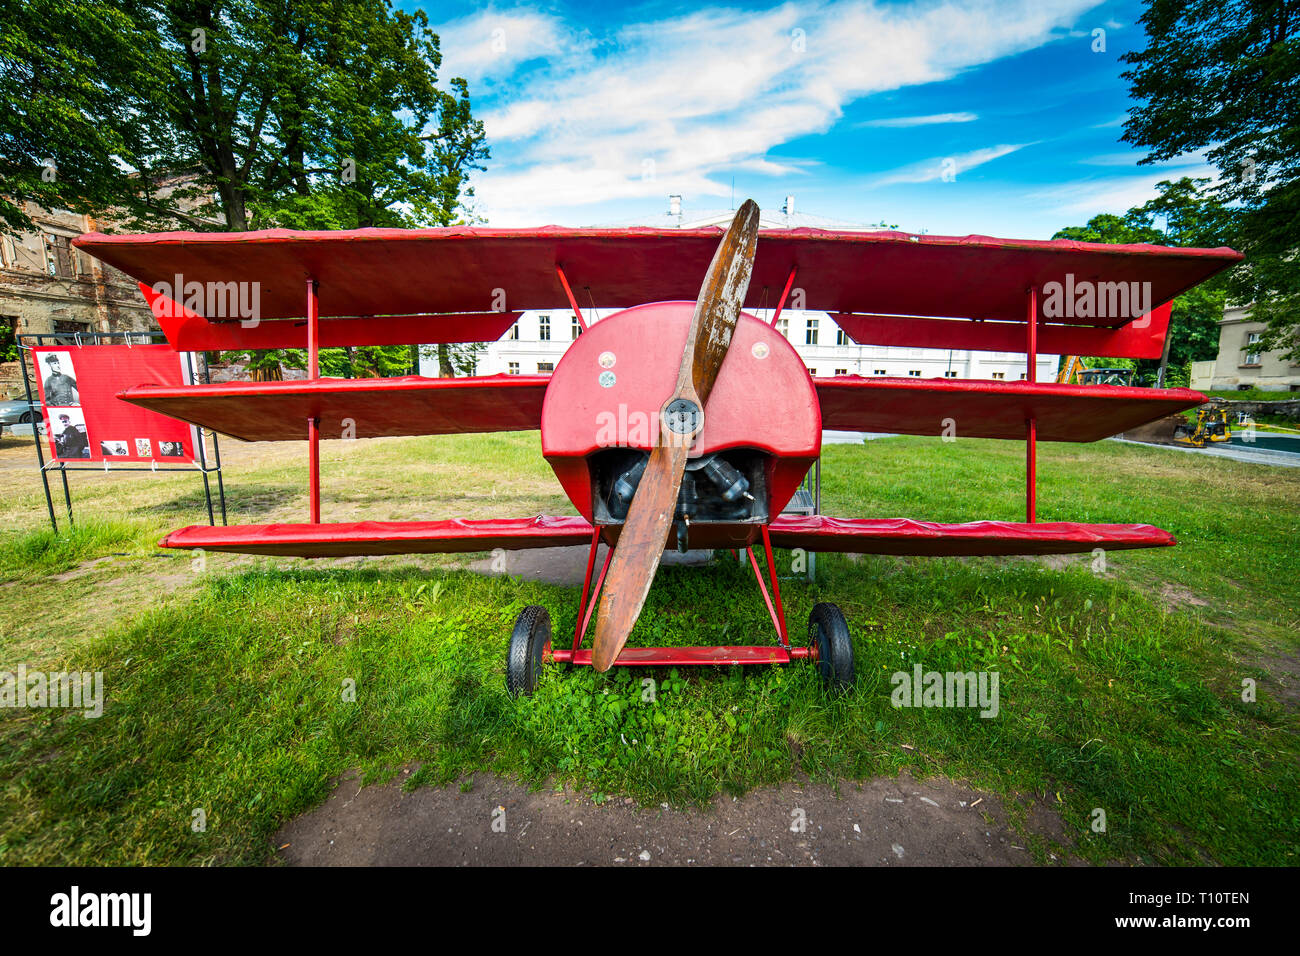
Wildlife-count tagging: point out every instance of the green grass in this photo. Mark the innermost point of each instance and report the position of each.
(42, 552)
(1117, 691)
(1251, 395)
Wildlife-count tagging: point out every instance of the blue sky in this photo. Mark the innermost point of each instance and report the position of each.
(596, 112)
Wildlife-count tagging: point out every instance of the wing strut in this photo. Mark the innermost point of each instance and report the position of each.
(1031, 424)
(313, 372)
(784, 295)
(568, 291)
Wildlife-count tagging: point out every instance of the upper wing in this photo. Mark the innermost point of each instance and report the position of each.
(371, 272)
(188, 331)
(990, 409)
(359, 408)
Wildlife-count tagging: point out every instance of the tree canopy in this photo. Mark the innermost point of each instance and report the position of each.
(325, 114)
(1223, 76)
(1184, 213)
(218, 115)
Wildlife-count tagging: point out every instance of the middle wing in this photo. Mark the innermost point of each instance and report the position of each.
(359, 408)
(989, 409)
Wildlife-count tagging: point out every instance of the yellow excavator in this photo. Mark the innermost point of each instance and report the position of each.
(1211, 426)
(1071, 366)
(1073, 369)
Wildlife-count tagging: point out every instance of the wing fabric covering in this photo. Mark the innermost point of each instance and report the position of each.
(357, 408)
(990, 409)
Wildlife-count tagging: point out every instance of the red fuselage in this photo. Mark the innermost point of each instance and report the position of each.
(609, 387)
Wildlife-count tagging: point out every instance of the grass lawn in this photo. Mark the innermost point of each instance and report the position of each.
(227, 688)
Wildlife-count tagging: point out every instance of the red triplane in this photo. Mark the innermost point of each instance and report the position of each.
(681, 419)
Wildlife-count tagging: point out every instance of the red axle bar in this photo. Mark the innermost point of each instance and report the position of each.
(782, 653)
(670, 656)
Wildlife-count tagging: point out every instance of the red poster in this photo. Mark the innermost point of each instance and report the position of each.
(84, 419)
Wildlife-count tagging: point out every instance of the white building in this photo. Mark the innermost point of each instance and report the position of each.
(537, 341)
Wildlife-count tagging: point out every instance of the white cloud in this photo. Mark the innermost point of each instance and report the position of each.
(934, 119)
(1118, 194)
(1113, 159)
(492, 44)
(670, 106)
(928, 170)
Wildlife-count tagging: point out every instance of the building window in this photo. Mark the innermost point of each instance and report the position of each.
(544, 328)
(915, 373)
(999, 374)
(1022, 375)
(949, 374)
(546, 366)
(512, 368)
(810, 336)
(56, 255)
(879, 371)
(841, 371)
(513, 334)
(576, 328)
(842, 337)
(812, 371)
(1252, 348)
(783, 326)
(67, 332)
(8, 255)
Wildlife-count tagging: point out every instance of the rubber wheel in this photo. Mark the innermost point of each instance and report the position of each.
(25, 418)
(828, 633)
(528, 644)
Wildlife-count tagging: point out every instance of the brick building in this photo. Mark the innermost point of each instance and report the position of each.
(46, 286)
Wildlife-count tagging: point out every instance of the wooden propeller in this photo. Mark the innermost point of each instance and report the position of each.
(650, 516)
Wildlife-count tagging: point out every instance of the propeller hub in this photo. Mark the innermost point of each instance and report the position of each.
(683, 418)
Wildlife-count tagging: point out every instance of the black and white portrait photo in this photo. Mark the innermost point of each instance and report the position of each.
(58, 378)
(113, 449)
(69, 432)
(170, 449)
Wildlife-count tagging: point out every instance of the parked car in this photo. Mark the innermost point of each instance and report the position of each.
(19, 411)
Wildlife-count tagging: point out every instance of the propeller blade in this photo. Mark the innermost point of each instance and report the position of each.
(650, 516)
(718, 306)
(636, 554)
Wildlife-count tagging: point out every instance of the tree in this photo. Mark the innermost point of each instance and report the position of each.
(267, 365)
(1191, 216)
(455, 359)
(322, 114)
(307, 114)
(68, 136)
(366, 361)
(1222, 76)
(318, 114)
(300, 113)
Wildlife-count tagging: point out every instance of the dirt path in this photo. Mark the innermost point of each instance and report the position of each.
(882, 822)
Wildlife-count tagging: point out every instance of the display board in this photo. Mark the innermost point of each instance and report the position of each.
(85, 421)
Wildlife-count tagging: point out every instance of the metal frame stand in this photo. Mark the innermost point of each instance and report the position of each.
(96, 338)
(779, 653)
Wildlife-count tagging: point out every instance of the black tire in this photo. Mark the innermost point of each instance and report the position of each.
(528, 644)
(25, 418)
(828, 634)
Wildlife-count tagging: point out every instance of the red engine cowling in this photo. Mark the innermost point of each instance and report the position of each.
(602, 409)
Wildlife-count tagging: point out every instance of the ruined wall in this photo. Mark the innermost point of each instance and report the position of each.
(46, 286)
